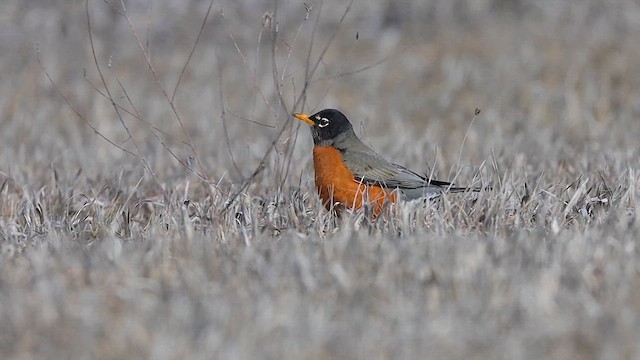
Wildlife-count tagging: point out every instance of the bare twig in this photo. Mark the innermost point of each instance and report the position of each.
(238, 116)
(193, 50)
(224, 122)
(464, 139)
(76, 111)
(171, 103)
(113, 102)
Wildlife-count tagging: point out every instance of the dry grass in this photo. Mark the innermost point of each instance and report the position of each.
(108, 253)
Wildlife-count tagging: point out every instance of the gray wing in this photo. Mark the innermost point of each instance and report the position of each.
(372, 168)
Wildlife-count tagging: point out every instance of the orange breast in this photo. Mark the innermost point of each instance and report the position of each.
(337, 186)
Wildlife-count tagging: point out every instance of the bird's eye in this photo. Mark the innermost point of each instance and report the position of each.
(323, 122)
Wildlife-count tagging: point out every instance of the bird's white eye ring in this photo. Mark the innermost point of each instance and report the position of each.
(323, 122)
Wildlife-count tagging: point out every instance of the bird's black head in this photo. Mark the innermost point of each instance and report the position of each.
(327, 124)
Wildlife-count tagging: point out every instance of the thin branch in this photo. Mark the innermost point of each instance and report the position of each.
(155, 135)
(193, 50)
(238, 116)
(366, 67)
(112, 100)
(223, 119)
(279, 84)
(330, 41)
(464, 139)
(253, 76)
(70, 106)
(174, 110)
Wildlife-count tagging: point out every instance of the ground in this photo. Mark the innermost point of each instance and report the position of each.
(157, 198)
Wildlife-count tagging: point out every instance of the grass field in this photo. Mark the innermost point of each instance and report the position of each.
(157, 198)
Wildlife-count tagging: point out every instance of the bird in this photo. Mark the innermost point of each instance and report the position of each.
(349, 174)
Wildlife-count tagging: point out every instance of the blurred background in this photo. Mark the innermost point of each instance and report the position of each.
(96, 263)
(555, 80)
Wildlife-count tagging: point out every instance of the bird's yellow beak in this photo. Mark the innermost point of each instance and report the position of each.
(305, 118)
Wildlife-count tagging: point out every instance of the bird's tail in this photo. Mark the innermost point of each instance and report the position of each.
(459, 189)
(449, 187)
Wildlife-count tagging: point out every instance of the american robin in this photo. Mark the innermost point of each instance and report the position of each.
(348, 172)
